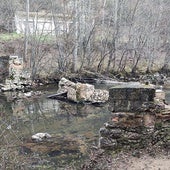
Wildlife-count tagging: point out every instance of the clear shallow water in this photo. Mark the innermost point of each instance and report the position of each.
(22, 118)
(167, 95)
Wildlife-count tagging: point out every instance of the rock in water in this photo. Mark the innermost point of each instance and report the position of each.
(40, 136)
(84, 92)
(80, 92)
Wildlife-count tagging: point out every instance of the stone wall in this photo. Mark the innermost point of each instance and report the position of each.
(130, 97)
(129, 130)
(139, 118)
(13, 74)
(4, 68)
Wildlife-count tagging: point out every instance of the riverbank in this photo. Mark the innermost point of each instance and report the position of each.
(59, 118)
(151, 158)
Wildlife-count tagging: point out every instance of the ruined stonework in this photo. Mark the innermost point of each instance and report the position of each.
(14, 76)
(139, 118)
(80, 92)
(4, 68)
(130, 97)
(130, 130)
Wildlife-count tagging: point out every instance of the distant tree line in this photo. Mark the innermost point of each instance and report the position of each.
(105, 35)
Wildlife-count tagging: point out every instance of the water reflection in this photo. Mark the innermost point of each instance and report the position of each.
(67, 123)
(167, 95)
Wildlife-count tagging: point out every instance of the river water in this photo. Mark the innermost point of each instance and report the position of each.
(22, 118)
(74, 128)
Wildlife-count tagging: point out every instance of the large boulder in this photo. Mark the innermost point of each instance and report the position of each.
(65, 85)
(84, 91)
(69, 87)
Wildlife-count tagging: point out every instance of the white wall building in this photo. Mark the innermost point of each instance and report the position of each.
(42, 23)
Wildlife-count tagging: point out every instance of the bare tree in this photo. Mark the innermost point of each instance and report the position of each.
(7, 12)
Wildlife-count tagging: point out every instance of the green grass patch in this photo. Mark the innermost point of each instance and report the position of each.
(5, 37)
(10, 36)
(42, 38)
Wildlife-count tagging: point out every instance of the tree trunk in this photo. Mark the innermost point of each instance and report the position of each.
(25, 57)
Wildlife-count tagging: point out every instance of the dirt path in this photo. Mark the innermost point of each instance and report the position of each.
(130, 160)
(155, 160)
(144, 163)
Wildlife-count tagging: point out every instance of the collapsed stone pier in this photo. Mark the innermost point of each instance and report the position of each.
(13, 75)
(80, 92)
(139, 118)
(4, 68)
(130, 97)
(130, 130)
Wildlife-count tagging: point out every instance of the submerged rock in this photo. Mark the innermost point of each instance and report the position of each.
(57, 145)
(40, 136)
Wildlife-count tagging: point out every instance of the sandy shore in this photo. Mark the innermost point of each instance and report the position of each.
(130, 160)
(145, 162)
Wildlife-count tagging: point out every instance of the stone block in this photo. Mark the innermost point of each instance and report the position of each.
(160, 95)
(4, 68)
(100, 96)
(66, 83)
(130, 97)
(71, 94)
(80, 92)
(84, 91)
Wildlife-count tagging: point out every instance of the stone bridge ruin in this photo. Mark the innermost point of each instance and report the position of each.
(4, 68)
(13, 76)
(139, 118)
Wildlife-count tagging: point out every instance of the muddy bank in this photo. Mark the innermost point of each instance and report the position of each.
(155, 159)
(133, 146)
(134, 140)
(61, 149)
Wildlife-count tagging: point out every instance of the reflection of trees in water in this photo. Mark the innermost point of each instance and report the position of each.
(52, 116)
(35, 113)
(5, 106)
(43, 115)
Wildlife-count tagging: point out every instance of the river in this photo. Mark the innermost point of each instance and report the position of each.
(74, 128)
(22, 118)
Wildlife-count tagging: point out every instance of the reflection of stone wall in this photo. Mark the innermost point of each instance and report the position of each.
(4, 68)
(5, 106)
